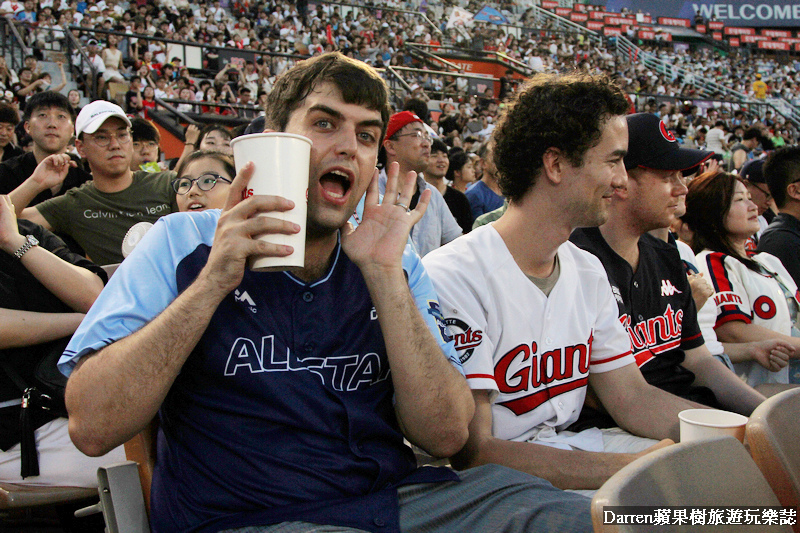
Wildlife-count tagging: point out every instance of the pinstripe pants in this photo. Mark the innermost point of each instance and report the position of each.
(490, 498)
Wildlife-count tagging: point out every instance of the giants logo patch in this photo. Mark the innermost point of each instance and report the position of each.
(764, 308)
(466, 338)
(522, 368)
(665, 133)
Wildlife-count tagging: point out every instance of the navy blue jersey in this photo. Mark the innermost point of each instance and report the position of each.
(284, 410)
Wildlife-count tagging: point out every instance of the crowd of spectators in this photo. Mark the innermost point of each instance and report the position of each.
(377, 36)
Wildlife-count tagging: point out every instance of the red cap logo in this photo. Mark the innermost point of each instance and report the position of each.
(666, 134)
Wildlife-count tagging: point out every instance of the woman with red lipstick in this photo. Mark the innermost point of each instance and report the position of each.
(756, 299)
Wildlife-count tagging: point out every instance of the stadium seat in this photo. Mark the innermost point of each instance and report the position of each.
(708, 473)
(774, 443)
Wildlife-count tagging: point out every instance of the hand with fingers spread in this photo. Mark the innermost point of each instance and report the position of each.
(238, 229)
(379, 241)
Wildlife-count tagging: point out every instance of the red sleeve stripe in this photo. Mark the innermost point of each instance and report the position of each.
(731, 317)
(693, 337)
(719, 275)
(480, 376)
(609, 359)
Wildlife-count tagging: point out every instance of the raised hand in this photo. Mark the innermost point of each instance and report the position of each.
(10, 239)
(52, 170)
(379, 241)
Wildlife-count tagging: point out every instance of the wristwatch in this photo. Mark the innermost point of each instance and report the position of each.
(30, 242)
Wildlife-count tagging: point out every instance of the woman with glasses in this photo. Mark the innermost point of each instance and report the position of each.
(756, 299)
(203, 180)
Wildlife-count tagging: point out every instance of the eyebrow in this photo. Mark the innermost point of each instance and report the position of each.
(618, 153)
(338, 115)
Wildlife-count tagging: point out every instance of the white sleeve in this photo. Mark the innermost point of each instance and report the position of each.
(610, 345)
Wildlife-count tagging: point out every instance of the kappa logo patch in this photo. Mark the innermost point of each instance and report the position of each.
(668, 289)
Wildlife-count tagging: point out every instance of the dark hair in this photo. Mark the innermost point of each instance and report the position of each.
(208, 129)
(751, 133)
(225, 159)
(144, 130)
(564, 112)
(47, 100)
(419, 108)
(437, 145)
(707, 204)
(8, 115)
(358, 82)
(781, 169)
(458, 158)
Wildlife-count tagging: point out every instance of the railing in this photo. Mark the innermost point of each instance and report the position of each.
(630, 52)
(355, 10)
(81, 65)
(544, 14)
(13, 46)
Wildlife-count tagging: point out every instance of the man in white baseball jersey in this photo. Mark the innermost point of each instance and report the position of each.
(534, 317)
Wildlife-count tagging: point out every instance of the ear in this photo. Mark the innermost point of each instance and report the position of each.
(27, 127)
(553, 162)
(79, 147)
(388, 145)
(793, 191)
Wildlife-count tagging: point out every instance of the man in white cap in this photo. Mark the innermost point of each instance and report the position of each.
(100, 213)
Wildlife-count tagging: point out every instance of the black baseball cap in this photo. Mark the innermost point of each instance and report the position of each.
(651, 145)
(753, 171)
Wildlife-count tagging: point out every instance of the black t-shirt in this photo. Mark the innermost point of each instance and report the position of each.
(459, 206)
(20, 290)
(16, 170)
(11, 151)
(657, 309)
(782, 239)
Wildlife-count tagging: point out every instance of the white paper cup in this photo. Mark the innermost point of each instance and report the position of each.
(699, 424)
(281, 169)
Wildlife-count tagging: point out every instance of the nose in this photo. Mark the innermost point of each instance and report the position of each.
(619, 180)
(346, 142)
(680, 187)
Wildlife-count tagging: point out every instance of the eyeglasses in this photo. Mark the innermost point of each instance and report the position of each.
(104, 139)
(419, 134)
(766, 193)
(205, 182)
(138, 145)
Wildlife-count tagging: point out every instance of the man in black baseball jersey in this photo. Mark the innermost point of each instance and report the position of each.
(649, 280)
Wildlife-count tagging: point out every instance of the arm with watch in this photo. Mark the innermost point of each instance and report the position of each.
(75, 286)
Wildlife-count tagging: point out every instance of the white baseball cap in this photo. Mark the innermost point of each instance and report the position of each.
(93, 115)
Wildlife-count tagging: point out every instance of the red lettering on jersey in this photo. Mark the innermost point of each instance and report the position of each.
(542, 370)
(654, 332)
(520, 378)
(764, 308)
(247, 193)
(722, 298)
(520, 406)
(468, 339)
